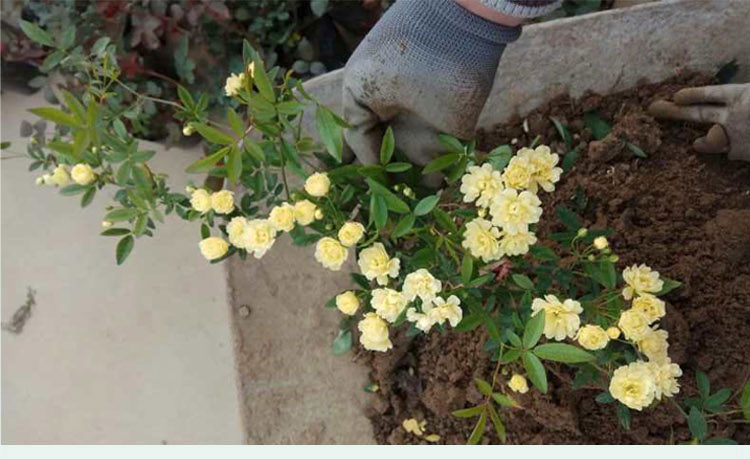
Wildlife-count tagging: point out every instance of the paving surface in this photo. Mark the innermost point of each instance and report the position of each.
(293, 389)
(140, 353)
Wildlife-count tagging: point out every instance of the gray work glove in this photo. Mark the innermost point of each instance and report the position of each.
(727, 106)
(425, 68)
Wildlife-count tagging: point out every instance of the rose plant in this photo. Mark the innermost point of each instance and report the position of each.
(461, 257)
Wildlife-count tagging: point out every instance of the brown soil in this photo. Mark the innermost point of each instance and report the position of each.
(688, 216)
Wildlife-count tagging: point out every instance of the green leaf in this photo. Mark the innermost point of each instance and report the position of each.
(533, 331)
(404, 226)
(569, 159)
(523, 281)
(329, 131)
(669, 285)
(697, 424)
(378, 210)
(360, 280)
(561, 352)
(73, 189)
(235, 122)
(397, 167)
(492, 329)
(568, 218)
(745, 400)
(719, 441)
(604, 397)
(100, 45)
(115, 232)
(467, 268)
(185, 97)
(254, 150)
(290, 107)
(387, 146)
(212, 135)
(499, 427)
(503, 400)
(51, 61)
(476, 434)
(56, 116)
(124, 247)
(88, 196)
(623, 414)
(425, 205)
(343, 342)
(602, 271)
(121, 214)
(36, 33)
(636, 150)
(535, 371)
(468, 412)
(440, 163)
(483, 386)
(207, 163)
(261, 79)
(564, 134)
(234, 165)
(704, 385)
(542, 253)
(451, 143)
(394, 202)
(599, 127)
(716, 400)
(68, 37)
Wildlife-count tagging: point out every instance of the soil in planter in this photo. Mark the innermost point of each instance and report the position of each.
(686, 215)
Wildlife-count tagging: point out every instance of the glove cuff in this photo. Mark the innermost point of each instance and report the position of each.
(468, 22)
(523, 8)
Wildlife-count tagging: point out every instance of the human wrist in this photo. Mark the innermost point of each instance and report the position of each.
(492, 15)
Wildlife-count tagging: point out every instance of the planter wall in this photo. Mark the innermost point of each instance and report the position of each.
(603, 52)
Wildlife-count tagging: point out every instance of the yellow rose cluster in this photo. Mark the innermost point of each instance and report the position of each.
(561, 318)
(222, 202)
(639, 383)
(511, 200)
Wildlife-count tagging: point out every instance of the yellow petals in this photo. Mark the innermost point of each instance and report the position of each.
(213, 247)
(350, 233)
(233, 84)
(514, 211)
(482, 240)
(654, 345)
(375, 263)
(347, 303)
(634, 324)
(518, 243)
(432, 438)
(82, 174)
(651, 306)
(59, 177)
(561, 319)
(633, 385)
(640, 279)
(304, 212)
(601, 243)
(613, 332)
(200, 200)
(421, 284)
(592, 337)
(374, 333)
(222, 202)
(518, 173)
(415, 427)
(388, 303)
(282, 217)
(518, 384)
(258, 236)
(544, 172)
(317, 184)
(330, 253)
(481, 184)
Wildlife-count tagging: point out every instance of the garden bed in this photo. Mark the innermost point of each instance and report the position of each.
(686, 215)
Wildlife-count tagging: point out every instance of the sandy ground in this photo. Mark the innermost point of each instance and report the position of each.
(140, 353)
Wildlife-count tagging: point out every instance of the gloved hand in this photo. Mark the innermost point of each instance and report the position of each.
(727, 106)
(426, 67)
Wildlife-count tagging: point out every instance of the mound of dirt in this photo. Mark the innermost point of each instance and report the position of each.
(687, 216)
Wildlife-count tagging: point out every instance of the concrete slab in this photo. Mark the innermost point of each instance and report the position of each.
(140, 353)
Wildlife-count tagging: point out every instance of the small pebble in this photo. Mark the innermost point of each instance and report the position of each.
(244, 311)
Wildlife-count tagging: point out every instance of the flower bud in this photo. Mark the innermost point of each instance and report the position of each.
(408, 192)
(591, 257)
(189, 189)
(582, 232)
(614, 258)
(39, 181)
(188, 129)
(318, 214)
(106, 224)
(601, 243)
(329, 227)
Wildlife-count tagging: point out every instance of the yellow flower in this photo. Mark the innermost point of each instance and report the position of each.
(665, 374)
(282, 217)
(518, 384)
(374, 333)
(319, 216)
(437, 312)
(514, 211)
(222, 202)
(634, 324)
(516, 244)
(421, 284)
(560, 318)
(481, 182)
(518, 173)
(375, 263)
(432, 438)
(592, 337)
(106, 224)
(258, 237)
(654, 345)
(633, 385)
(251, 69)
(236, 231)
(653, 307)
(59, 176)
(481, 239)
(330, 253)
(82, 174)
(640, 280)
(613, 332)
(213, 247)
(543, 162)
(234, 83)
(388, 303)
(347, 303)
(420, 320)
(414, 426)
(317, 184)
(200, 200)
(601, 243)
(304, 212)
(350, 233)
